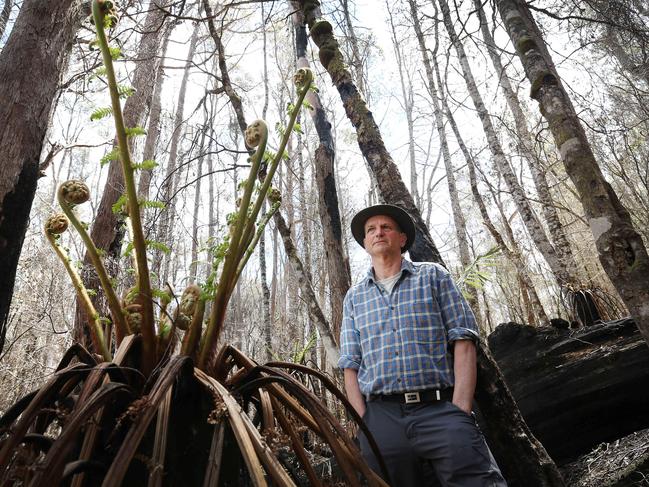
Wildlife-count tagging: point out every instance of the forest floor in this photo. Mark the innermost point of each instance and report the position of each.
(621, 463)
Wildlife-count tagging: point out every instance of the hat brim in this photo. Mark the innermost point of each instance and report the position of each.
(399, 215)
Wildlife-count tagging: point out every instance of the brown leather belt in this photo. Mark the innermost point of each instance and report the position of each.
(429, 395)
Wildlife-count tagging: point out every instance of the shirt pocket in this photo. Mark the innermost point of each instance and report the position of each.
(423, 323)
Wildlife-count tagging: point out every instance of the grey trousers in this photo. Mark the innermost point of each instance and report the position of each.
(413, 438)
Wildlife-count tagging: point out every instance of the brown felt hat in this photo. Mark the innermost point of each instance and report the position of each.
(399, 215)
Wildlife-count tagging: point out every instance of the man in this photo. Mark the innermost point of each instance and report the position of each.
(409, 358)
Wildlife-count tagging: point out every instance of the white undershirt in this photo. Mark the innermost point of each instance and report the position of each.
(389, 282)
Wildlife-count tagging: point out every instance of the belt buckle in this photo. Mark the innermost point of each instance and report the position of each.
(412, 397)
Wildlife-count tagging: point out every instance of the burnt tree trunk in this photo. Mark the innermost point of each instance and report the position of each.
(619, 246)
(522, 458)
(37, 49)
(338, 267)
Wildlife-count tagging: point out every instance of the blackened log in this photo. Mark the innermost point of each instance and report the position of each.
(576, 389)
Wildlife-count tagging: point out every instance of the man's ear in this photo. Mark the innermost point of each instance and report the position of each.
(404, 239)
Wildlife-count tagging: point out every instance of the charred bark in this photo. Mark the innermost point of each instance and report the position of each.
(328, 208)
(576, 389)
(522, 458)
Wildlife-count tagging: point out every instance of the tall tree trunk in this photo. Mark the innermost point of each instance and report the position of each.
(408, 108)
(390, 184)
(328, 209)
(523, 205)
(172, 172)
(153, 126)
(37, 49)
(263, 274)
(620, 247)
(525, 143)
(458, 216)
(193, 265)
(107, 231)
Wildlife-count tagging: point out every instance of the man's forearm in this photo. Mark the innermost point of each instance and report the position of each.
(353, 390)
(465, 371)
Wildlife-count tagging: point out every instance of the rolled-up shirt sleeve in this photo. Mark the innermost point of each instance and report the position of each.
(350, 346)
(459, 320)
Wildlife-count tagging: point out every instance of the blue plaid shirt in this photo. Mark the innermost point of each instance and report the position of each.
(400, 342)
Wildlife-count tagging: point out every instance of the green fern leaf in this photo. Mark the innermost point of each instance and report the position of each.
(125, 91)
(101, 113)
(147, 165)
(152, 204)
(109, 156)
(115, 53)
(120, 205)
(135, 131)
(152, 244)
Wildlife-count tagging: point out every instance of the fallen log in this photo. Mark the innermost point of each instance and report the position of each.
(576, 389)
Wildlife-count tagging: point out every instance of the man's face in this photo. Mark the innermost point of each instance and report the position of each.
(383, 236)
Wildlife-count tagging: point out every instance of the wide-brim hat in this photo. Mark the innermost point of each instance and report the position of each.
(399, 215)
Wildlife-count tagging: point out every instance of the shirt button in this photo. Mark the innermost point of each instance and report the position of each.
(399, 379)
(396, 353)
(394, 330)
(391, 307)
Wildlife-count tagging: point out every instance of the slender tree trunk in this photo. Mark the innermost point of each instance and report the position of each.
(408, 108)
(4, 16)
(309, 296)
(390, 184)
(620, 247)
(235, 99)
(357, 59)
(458, 215)
(525, 143)
(263, 273)
(172, 172)
(193, 265)
(37, 49)
(523, 205)
(328, 209)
